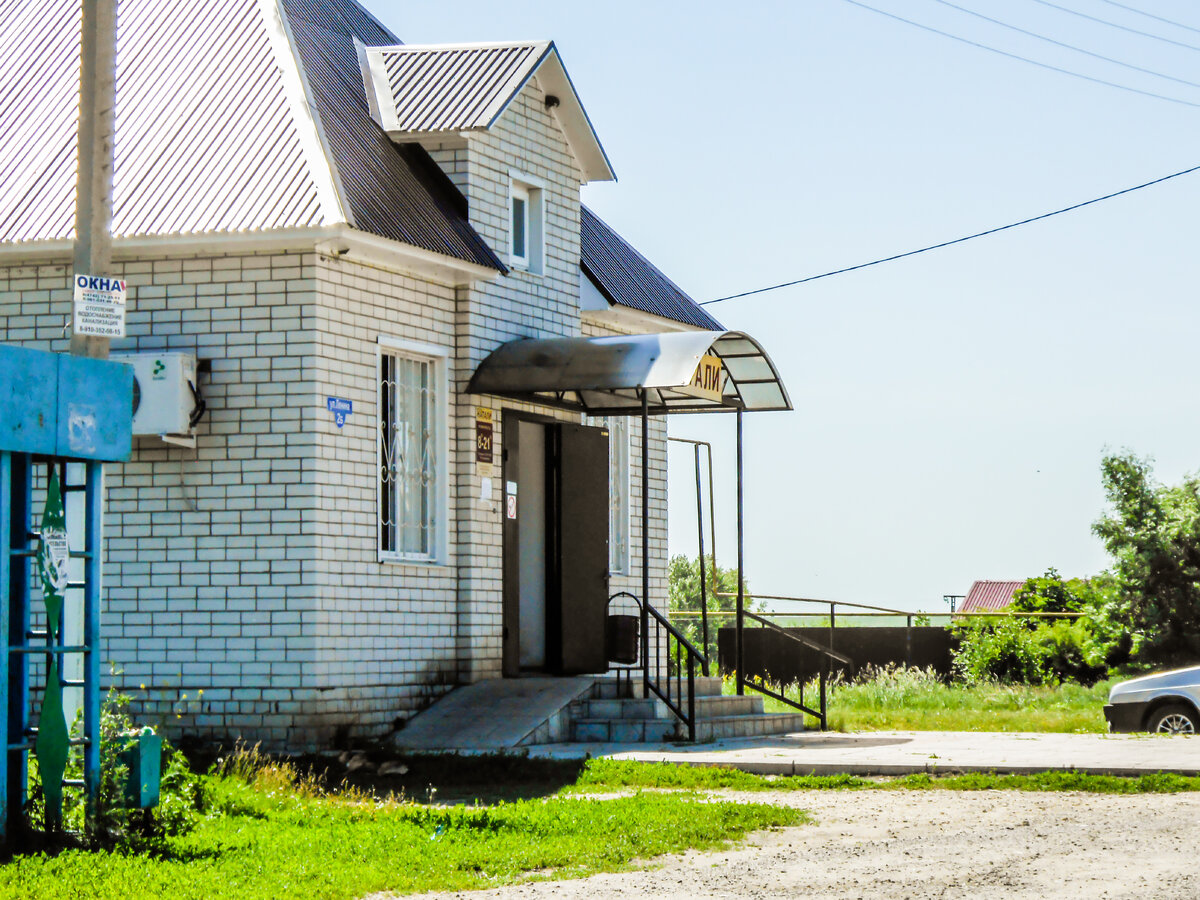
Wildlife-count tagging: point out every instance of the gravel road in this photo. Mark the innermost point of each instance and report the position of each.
(935, 844)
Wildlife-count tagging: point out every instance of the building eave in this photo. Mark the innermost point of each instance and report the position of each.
(337, 241)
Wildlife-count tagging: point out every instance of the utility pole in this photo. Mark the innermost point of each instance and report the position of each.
(97, 121)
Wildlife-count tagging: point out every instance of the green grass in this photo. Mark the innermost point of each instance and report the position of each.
(269, 838)
(915, 700)
(271, 834)
(623, 775)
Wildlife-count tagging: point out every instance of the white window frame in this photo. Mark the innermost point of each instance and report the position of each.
(620, 484)
(532, 191)
(437, 516)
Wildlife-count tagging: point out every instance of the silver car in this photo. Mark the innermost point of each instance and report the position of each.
(1165, 702)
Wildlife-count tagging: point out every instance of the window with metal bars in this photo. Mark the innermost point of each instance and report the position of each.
(410, 471)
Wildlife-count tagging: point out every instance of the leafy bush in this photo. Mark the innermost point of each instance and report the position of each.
(1000, 649)
(182, 797)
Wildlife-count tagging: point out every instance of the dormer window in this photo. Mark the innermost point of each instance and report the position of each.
(525, 249)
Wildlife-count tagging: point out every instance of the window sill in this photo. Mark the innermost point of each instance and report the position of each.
(425, 565)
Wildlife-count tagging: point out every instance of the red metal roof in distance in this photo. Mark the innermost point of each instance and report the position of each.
(985, 595)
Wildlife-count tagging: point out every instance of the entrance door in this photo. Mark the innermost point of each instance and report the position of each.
(555, 546)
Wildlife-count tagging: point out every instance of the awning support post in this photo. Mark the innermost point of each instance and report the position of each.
(700, 541)
(645, 543)
(739, 654)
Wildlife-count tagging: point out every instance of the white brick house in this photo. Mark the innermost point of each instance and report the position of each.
(318, 212)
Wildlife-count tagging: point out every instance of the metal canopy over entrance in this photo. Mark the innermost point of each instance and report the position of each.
(647, 374)
(604, 376)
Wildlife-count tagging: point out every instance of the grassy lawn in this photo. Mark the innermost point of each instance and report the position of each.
(624, 775)
(267, 837)
(911, 700)
(269, 834)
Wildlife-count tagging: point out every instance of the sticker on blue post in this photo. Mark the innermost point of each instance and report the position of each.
(340, 409)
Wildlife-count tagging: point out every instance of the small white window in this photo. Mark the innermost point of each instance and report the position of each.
(520, 225)
(618, 495)
(525, 249)
(412, 473)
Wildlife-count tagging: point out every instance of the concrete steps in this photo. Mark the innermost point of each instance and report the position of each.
(615, 712)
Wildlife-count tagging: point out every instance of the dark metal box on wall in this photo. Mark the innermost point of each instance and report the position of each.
(68, 406)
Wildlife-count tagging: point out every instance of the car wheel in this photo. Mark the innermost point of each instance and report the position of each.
(1174, 719)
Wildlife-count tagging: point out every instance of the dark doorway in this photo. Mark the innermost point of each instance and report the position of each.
(555, 546)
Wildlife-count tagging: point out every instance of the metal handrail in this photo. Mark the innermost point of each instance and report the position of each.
(799, 638)
(659, 678)
(821, 714)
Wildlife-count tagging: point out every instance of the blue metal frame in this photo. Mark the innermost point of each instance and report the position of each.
(56, 409)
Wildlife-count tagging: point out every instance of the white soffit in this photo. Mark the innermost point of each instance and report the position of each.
(447, 91)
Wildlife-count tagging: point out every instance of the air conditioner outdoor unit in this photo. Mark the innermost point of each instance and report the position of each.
(166, 395)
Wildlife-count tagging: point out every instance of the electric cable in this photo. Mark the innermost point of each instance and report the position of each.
(1118, 25)
(1142, 12)
(969, 237)
(1057, 43)
(1033, 62)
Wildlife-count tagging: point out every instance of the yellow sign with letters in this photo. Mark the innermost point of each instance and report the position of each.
(709, 380)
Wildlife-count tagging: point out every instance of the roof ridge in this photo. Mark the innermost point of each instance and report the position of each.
(305, 116)
(462, 45)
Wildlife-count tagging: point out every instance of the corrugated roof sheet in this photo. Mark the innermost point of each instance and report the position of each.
(39, 112)
(985, 595)
(204, 142)
(439, 90)
(456, 87)
(627, 278)
(395, 192)
(206, 139)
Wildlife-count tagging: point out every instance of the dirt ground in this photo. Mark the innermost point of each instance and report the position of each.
(935, 844)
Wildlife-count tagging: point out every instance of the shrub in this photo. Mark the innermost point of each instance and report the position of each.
(1000, 649)
(182, 796)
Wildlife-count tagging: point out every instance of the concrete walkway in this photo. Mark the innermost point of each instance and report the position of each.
(906, 752)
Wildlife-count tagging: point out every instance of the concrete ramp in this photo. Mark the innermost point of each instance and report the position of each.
(497, 714)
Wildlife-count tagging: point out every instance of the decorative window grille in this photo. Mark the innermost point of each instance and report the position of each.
(618, 495)
(410, 472)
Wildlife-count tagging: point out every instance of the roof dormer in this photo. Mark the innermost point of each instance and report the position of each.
(443, 94)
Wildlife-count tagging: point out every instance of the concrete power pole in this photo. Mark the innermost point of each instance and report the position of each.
(97, 120)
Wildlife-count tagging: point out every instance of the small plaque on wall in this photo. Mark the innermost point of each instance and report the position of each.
(483, 442)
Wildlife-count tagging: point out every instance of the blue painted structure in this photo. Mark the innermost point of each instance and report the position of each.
(54, 409)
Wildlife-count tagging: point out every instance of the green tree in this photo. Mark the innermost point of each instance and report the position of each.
(1049, 593)
(683, 576)
(1153, 535)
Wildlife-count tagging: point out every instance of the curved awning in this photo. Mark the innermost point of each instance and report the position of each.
(682, 371)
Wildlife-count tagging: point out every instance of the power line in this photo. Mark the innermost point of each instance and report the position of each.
(1142, 12)
(969, 237)
(1050, 40)
(1032, 62)
(1111, 24)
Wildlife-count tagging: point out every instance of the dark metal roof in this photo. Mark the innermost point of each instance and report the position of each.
(627, 278)
(395, 192)
(607, 375)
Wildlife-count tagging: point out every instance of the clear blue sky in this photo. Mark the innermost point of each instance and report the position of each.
(951, 409)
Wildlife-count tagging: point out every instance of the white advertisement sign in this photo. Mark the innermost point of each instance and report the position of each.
(99, 306)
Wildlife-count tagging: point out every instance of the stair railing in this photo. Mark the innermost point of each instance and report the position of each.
(669, 663)
(820, 713)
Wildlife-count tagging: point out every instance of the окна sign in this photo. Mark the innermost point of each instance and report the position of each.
(99, 306)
